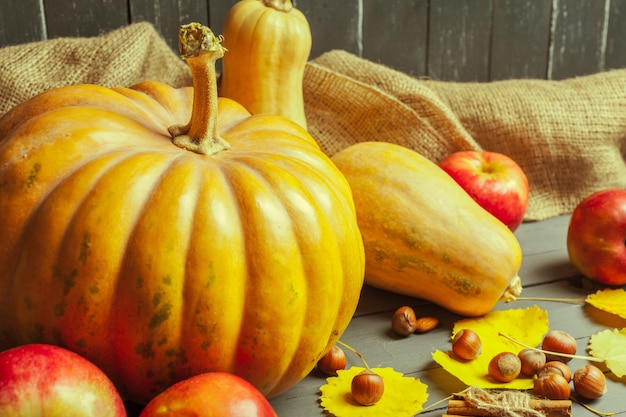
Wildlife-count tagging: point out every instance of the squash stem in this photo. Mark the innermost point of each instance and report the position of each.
(201, 49)
(280, 5)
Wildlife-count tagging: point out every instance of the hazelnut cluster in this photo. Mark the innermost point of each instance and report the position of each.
(552, 375)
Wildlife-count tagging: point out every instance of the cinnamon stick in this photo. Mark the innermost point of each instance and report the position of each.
(551, 408)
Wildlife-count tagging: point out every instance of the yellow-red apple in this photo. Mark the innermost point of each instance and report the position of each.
(48, 381)
(494, 180)
(596, 236)
(213, 394)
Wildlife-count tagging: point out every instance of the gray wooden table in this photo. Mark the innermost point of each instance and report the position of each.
(546, 272)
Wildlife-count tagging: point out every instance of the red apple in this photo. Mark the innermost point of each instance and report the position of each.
(213, 394)
(46, 381)
(493, 180)
(596, 236)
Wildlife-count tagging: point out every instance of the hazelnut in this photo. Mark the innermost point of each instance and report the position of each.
(552, 387)
(332, 361)
(403, 321)
(367, 387)
(589, 382)
(466, 344)
(555, 367)
(532, 361)
(558, 341)
(505, 367)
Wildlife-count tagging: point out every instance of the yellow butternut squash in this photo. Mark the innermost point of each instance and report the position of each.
(268, 42)
(424, 236)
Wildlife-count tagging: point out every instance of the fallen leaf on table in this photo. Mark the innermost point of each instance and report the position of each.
(610, 346)
(524, 325)
(609, 300)
(403, 396)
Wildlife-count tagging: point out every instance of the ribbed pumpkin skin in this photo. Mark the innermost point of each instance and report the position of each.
(423, 235)
(268, 49)
(158, 263)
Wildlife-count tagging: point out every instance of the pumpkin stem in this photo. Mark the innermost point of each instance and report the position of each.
(280, 5)
(201, 49)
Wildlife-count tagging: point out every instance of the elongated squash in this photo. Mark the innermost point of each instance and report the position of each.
(423, 235)
(268, 42)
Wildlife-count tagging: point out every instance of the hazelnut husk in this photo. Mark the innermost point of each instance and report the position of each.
(466, 344)
(555, 367)
(505, 367)
(552, 386)
(332, 361)
(532, 361)
(559, 341)
(589, 382)
(367, 387)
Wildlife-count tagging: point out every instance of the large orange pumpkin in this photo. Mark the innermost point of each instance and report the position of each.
(231, 247)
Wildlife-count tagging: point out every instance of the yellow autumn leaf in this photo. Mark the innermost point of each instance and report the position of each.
(403, 396)
(524, 325)
(610, 346)
(610, 300)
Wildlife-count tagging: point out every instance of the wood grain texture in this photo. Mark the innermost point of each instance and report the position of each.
(578, 38)
(396, 34)
(616, 36)
(459, 40)
(334, 24)
(84, 18)
(520, 40)
(464, 40)
(21, 21)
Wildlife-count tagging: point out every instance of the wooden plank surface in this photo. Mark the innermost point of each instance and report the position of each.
(465, 40)
(546, 272)
(520, 40)
(616, 36)
(334, 24)
(396, 34)
(459, 39)
(578, 37)
(84, 18)
(21, 22)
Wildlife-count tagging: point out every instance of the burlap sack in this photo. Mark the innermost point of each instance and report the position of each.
(120, 58)
(569, 136)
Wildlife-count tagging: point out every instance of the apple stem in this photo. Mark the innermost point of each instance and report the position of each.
(351, 349)
(549, 352)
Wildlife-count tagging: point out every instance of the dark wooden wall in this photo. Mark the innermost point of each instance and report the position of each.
(462, 40)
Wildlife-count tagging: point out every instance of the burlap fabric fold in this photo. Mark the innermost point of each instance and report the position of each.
(119, 58)
(568, 136)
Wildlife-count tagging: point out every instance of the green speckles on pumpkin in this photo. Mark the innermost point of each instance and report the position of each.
(32, 174)
(161, 315)
(94, 289)
(81, 343)
(462, 285)
(68, 280)
(59, 308)
(167, 280)
(145, 350)
(85, 248)
(156, 299)
(139, 283)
